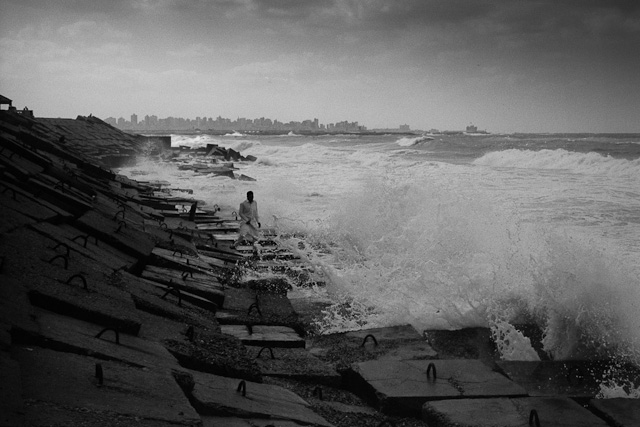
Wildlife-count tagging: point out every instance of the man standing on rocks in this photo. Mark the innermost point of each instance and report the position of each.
(249, 214)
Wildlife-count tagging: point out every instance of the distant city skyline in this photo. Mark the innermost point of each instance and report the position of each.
(153, 122)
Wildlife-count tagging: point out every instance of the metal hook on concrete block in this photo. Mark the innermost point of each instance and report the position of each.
(235, 214)
(533, 417)
(85, 238)
(178, 250)
(99, 373)
(13, 192)
(191, 333)
(256, 306)
(266, 348)
(163, 225)
(173, 291)
(187, 274)
(242, 387)
(64, 257)
(120, 224)
(364, 341)
(64, 245)
(110, 329)
(118, 213)
(431, 366)
(84, 280)
(317, 392)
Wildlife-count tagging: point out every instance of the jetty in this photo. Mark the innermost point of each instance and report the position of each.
(123, 304)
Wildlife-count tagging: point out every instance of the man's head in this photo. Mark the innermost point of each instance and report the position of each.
(250, 196)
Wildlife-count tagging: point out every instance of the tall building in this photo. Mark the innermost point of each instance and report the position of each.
(134, 120)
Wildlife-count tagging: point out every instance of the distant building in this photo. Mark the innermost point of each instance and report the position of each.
(472, 129)
(404, 128)
(134, 119)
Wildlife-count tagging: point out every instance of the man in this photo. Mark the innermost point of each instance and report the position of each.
(249, 214)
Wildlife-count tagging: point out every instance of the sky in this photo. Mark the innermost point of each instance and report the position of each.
(504, 66)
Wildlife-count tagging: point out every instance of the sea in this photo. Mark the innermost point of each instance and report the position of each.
(450, 231)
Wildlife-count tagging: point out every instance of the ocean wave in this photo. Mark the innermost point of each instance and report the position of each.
(408, 142)
(235, 133)
(585, 163)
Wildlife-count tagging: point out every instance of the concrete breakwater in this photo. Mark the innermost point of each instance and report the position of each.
(115, 311)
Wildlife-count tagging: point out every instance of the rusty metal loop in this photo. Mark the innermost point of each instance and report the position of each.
(242, 387)
(164, 224)
(64, 257)
(110, 329)
(364, 341)
(317, 392)
(178, 250)
(266, 348)
(84, 245)
(13, 192)
(63, 245)
(430, 367)
(99, 373)
(120, 224)
(84, 280)
(191, 333)
(173, 291)
(533, 416)
(118, 213)
(256, 306)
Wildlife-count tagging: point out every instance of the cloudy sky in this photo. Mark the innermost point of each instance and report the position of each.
(505, 66)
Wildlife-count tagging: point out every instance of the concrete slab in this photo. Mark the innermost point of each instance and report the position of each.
(181, 296)
(405, 385)
(502, 412)
(11, 405)
(64, 199)
(86, 245)
(294, 363)
(265, 336)
(125, 238)
(15, 199)
(214, 395)
(250, 307)
(549, 378)
(208, 421)
(148, 296)
(201, 285)
(179, 259)
(71, 335)
(400, 342)
(619, 412)
(70, 380)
